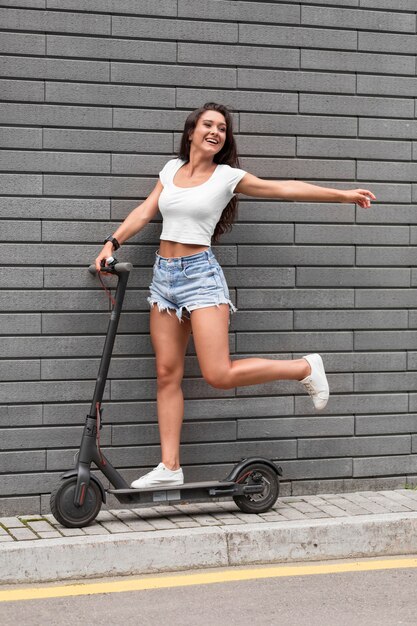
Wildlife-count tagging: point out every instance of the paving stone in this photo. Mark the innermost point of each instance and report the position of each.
(116, 527)
(70, 532)
(290, 514)
(205, 520)
(3, 531)
(410, 503)
(304, 507)
(95, 529)
(161, 524)
(349, 507)
(5, 538)
(23, 534)
(41, 527)
(333, 511)
(105, 516)
(272, 517)
(316, 515)
(52, 534)
(366, 503)
(389, 505)
(11, 522)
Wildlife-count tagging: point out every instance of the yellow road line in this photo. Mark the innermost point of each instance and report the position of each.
(203, 578)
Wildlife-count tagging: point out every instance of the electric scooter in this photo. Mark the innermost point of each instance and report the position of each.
(77, 498)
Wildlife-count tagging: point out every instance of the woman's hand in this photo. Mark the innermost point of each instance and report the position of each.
(106, 252)
(361, 197)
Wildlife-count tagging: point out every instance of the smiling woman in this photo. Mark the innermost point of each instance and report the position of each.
(196, 195)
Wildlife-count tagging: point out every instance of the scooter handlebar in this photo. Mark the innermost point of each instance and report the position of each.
(117, 268)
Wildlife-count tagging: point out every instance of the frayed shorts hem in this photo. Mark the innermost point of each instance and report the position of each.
(163, 306)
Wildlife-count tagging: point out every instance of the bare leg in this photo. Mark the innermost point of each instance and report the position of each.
(169, 339)
(210, 333)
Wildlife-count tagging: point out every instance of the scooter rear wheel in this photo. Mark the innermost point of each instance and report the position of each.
(64, 510)
(258, 502)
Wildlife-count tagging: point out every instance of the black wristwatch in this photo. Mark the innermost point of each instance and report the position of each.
(116, 244)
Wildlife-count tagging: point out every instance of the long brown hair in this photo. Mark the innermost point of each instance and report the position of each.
(227, 155)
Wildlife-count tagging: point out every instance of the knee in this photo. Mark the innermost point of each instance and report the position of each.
(168, 375)
(218, 379)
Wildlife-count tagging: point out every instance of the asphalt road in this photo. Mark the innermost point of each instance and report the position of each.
(311, 595)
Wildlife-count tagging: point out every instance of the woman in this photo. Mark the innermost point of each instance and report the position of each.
(195, 195)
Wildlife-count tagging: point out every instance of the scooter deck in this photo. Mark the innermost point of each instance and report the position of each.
(183, 487)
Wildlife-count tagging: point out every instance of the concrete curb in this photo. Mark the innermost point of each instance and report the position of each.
(191, 548)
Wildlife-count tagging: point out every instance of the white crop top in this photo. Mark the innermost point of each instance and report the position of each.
(190, 214)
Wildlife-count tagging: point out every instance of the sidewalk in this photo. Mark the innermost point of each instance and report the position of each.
(35, 548)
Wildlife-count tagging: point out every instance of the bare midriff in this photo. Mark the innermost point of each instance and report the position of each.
(171, 249)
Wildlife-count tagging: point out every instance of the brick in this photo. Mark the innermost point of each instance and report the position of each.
(357, 404)
(400, 5)
(390, 170)
(24, 90)
(299, 124)
(240, 100)
(21, 137)
(387, 42)
(17, 184)
(357, 19)
(187, 75)
(388, 128)
(294, 427)
(234, 54)
(401, 381)
(268, 233)
(54, 115)
(323, 468)
(353, 446)
(354, 319)
(19, 370)
(357, 62)
(47, 391)
(352, 277)
(23, 461)
(353, 148)
(111, 140)
(20, 415)
(386, 85)
(300, 168)
(294, 298)
(56, 21)
(298, 37)
(173, 29)
(377, 466)
(97, 185)
(107, 94)
(296, 255)
(296, 81)
(387, 256)
(47, 161)
(110, 48)
(265, 145)
(262, 320)
(191, 432)
(397, 340)
(356, 105)
(37, 67)
(248, 342)
(148, 7)
(381, 298)
(392, 214)
(385, 424)
(392, 235)
(240, 11)
(279, 211)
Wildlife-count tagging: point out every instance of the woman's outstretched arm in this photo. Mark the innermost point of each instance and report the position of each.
(251, 185)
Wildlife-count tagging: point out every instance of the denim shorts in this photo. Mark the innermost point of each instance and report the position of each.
(188, 282)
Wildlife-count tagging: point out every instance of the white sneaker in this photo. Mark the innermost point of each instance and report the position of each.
(316, 383)
(160, 475)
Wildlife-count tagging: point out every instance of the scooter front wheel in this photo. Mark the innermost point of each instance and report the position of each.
(256, 474)
(64, 509)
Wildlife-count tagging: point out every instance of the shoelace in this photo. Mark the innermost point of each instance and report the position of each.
(310, 388)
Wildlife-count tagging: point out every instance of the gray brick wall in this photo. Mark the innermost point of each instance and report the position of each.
(93, 97)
